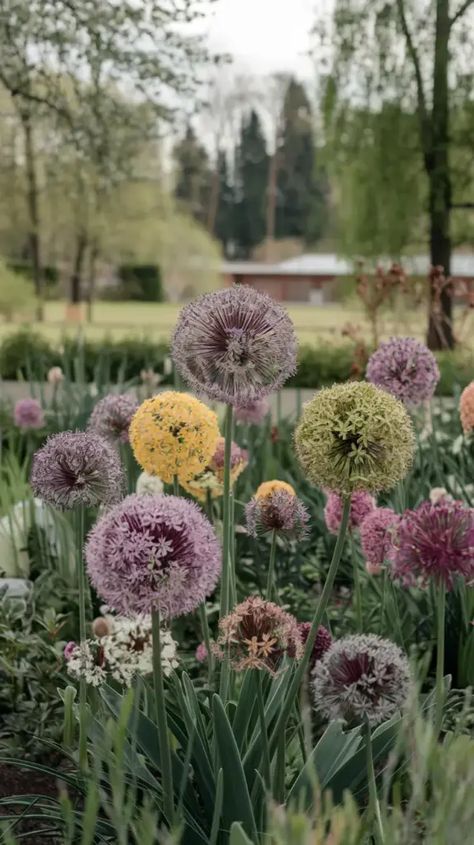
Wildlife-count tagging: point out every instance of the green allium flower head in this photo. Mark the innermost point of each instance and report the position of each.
(354, 436)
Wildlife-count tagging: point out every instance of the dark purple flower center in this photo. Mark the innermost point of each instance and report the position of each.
(360, 671)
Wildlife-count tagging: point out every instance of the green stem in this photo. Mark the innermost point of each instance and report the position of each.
(271, 567)
(279, 770)
(227, 575)
(207, 640)
(357, 590)
(162, 722)
(318, 616)
(175, 485)
(79, 542)
(263, 729)
(441, 624)
(209, 507)
(374, 805)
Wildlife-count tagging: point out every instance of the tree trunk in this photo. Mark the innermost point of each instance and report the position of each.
(76, 276)
(93, 255)
(33, 212)
(213, 199)
(440, 329)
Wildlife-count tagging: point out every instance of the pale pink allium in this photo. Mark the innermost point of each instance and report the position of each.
(376, 534)
(362, 504)
(112, 416)
(257, 634)
(253, 413)
(406, 368)
(466, 408)
(201, 653)
(28, 414)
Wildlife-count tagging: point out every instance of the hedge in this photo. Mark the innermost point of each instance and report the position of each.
(27, 355)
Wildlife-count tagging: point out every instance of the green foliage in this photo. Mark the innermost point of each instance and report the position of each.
(252, 163)
(141, 283)
(16, 293)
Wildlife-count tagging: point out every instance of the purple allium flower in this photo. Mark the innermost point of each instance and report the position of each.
(376, 533)
(435, 541)
(112, 416)
(257, 634)
(235, 345)
(362, 504)
(69, 649)
(361, 676)
(280, 511)
(77, 468)
(153, 552)
(322, 642)
(254, 412)
(237, 456)
(201, 653)
(406, 368)
(28, 414)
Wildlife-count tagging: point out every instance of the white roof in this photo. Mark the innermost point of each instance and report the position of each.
(329, 264)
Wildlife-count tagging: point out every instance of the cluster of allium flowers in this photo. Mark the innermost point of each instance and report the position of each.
(77, 468)
(322, 642)
(235, 345)
(174, 434)
(363, 676)
(153, 552)
(405, 368)
(266, 488)
(112, 416)
(354, 436)
(376, 535)
(434, 541)
(281, 512)
(149, 484)
(257, 634)
(466, 408)
(362, 504)
(201, 653)
(124, 652)
(212, 479)
(254, 412)
(28, 414)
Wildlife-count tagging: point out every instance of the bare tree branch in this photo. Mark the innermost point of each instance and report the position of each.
(422, 110)
(462, 205)
(461, 11)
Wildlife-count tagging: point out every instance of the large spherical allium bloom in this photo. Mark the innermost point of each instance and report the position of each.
(405, 368)
(153, 552)
(376, 535)
(77, 468)
(235, 345)
(322, 642)
(112, 416)
(354, 436)
(257, 634)
(434, 541)
(266, 488)
(212, 479)
(254, 412)
(174, 434)
(362, 504)
(28, 414)
(466, 408)
(362, 676)
(281, 512)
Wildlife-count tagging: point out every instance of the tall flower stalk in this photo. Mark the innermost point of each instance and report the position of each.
(78, 518)
(161, 720)
(271, 566)
(440, 648)
(374, 814)
(228, 576)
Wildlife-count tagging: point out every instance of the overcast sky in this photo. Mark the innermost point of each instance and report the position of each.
(265, 36)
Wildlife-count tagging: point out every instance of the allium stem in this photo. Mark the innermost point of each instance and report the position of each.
(271, 566)
(357, 590)
(78, 516)
(374, 805)
(318, 617)
(207, 640)
(227, 575)
(441, 626)
(175, 485)
(264, 730)
(162, 722)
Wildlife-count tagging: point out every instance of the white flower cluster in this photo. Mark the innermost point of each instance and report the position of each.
(149, 485)
(125, 651)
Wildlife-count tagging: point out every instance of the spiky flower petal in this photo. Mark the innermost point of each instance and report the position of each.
(281, 512)
(174, 434)
(355, 436)
(112, 416)
(362, 676)
(376, 535)
(235, 345)
(406, 368)
(153, 552)
(257, 635)
(362, 504)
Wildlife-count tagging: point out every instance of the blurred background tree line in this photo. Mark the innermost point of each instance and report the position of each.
(126, 145)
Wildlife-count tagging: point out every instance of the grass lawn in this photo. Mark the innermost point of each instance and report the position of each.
(313, 323)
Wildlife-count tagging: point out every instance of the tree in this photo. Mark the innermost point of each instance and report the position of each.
(225, 214)
(193, 175)
(415, 54)
(251, 178)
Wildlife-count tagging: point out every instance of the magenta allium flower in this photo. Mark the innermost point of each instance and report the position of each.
(28, 414)
(201, 653)
(322, 642)
(406, 368)
(112, 416)
(153, 552)
(77, 468)
(362, 504)
(257, 634)
(363, 676)
(253, 413)
(435, 541)
(376, 534)
(69, 649)
(235, 345)
(280, 511)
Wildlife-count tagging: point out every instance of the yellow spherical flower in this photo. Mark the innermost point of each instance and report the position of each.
(269, 487)
(174, 434)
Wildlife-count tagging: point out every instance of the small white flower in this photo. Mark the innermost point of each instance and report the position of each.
(149, 484)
